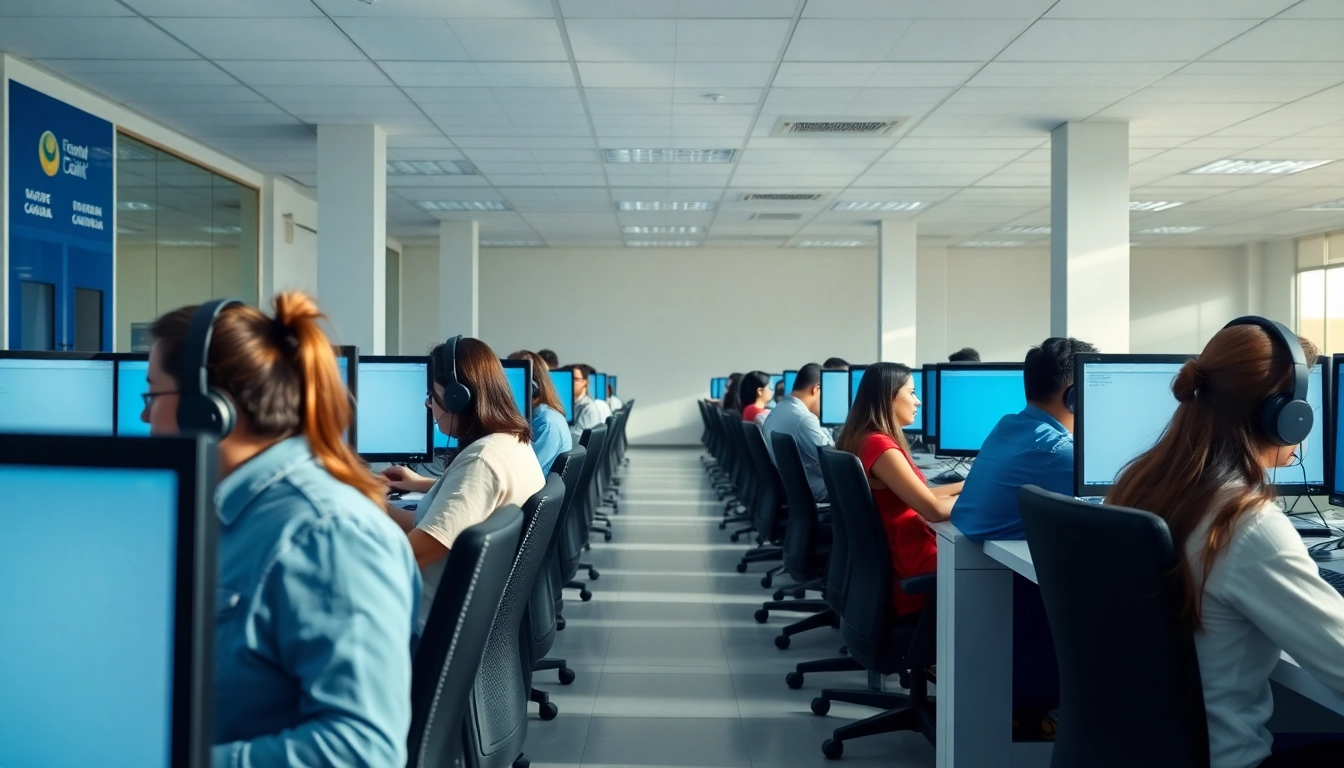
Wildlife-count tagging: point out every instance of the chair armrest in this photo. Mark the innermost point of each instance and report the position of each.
(924, 583)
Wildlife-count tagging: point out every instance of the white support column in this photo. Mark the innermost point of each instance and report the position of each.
(352, 232)
(897, 280)
(459, 278)
(1089, 241)
(931, 341)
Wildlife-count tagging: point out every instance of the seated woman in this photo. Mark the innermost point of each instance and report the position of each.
(495, 466)
(312, 663)
(730, 394)
(885, 403)
(1253, 590)
(753, 393)
(550, 431)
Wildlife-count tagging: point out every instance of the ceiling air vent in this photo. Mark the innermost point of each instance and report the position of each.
(781, 197)
(813, 126)
(776, 216)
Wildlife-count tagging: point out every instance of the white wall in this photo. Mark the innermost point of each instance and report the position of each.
(998, 301)
(289, 254)
(1179, 298)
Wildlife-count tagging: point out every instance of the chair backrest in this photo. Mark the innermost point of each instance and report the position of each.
(800, 535)
(1108, 580)
(770, 491)
(541, 609)
(496, 722)
(449, 654)
(837, 565)
(743, 478)
(595, 484)
(575, 534)
(867, 615)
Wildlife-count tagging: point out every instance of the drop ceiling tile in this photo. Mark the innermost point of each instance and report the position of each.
(1122, 40)
(731, 96)
(81, 37)
(722, 75)
(157, 94)
(739, 40)
(556, 96)
(283, 39)
(523, 74)
(940, 9)
(397, 39)
(232, 9)
(1074, 74)
(478, 98)
(955, 40)
(305, 73)
(510, 39)
(922, 74)
(689, 9)
(626, 76)
(845, 39)
(647, 40)
(1167, 9)
(496, 9)
(289, 94)
(63, 8)
(1315, 9)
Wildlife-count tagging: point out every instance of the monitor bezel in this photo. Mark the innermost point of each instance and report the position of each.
(568, 374)
(603, 398)
(1333, 476)
(529, 391)
(930, 439)
(963, 453)
(611, 384)
(822, 397)
(406, 458)
(194, 461)
(917, 428)
(1080, 487)
(118, 359)
(1327, 460)
(112, 357)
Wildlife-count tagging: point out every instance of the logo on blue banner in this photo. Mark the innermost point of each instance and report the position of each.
(49, 154)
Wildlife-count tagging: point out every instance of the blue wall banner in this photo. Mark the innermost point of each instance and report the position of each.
(60, 224)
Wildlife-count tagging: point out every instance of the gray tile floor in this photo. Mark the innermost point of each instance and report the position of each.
(672, 668)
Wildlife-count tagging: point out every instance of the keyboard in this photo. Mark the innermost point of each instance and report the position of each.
(1334, 579)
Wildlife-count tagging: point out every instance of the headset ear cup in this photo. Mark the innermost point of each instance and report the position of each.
(1293, 420)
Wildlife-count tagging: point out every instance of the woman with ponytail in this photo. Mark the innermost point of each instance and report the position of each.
(317, 587)
(1252, 589)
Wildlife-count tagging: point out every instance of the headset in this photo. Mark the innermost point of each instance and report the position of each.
(1285, 417)
(202, 409)
(456, 396)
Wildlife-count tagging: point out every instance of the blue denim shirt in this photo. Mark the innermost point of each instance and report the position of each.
(317, 602)
(1027, 448)
(550, 436)
(791, 417)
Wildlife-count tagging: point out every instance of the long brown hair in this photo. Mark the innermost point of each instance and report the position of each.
(281, 376)
(872, 409)
(492, 409)
(544, 393)
(1207, 464)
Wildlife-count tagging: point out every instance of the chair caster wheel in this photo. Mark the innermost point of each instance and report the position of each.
(782, 642)
(779, 595)
(585, 595)
(548, 712)
(741, 567)
(734, 538)
(794, 680)
(821, 706)
(559, 623)
(766, 581)
(566, 676)
(832, 749)
(522, 762)
(844, 650)
(723, 525)
(593, 574)
(762, 616)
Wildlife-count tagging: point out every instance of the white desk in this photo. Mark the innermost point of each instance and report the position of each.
(975, 633)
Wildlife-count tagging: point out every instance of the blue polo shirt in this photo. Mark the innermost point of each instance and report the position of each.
(1027, 448)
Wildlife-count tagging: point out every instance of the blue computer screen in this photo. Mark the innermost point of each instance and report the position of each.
(789, 378)
(717, 388)
(611, 382)
(834, 397)
(918, 426)
(86, 656)
(563, 381)
(131, 384)
(1125, 408)
(518, 383)
(391, 412)
(972, 402)
(930, 408)
(597, 386)
(855, 379)
(1311, 469)
(56, 396)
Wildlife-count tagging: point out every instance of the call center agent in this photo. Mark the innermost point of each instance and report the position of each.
(964, 355)
(471, 400)
(1252, 589)
(552, 359)
(731, 401)
(550, 430)
(753, 393)
(312, 665)
(884, 404)
(588, 411)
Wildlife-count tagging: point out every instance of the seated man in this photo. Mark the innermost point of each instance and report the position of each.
(964, 355)
(796, 415)
(588, 411)
(835, 364)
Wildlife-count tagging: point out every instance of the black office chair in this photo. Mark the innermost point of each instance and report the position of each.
(496, 721)
(578, 540)
(541, 623)
(449, 654)
(1115, 609)
(807, 543)
(883, 643)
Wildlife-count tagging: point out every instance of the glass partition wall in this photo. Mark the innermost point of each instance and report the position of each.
(184, 235)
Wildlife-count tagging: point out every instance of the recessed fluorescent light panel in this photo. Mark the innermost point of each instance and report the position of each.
(222, 230)
(662, 243)
(1263, 167)
(1333, 205)
(872, 205)
(1169, 230)
(430, 168)
(511, 244)
(131, 205)
(670, 155)
(462, 205)
(830, 243)
(1150, 206)
(673, 205)
(1023, 230)
(662, 230)
(992, 244)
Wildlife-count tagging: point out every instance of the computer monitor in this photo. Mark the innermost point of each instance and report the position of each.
(393, 422)
(855, 377)
(519, 374)
(918, 426)
(611, 383)
(1122, 405)
(790, 378)
(1337, 478)
(597, 386)
(563, 381)
(106, 656)
(834, 398)
(132, 384)
(972, 397)
(717, 388)
(1307, 476)
(930, 409)
(57, 393)
(347, 362)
